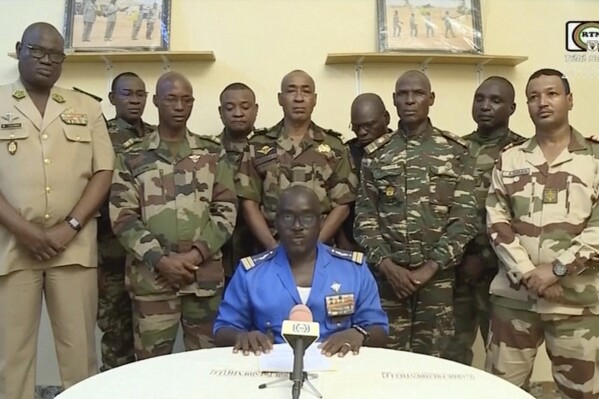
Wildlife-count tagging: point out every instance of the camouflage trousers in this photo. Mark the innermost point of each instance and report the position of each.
(240, 245)
(471, 312)
(114, 318)
(423, 322)
(572, 345)
(155, 323)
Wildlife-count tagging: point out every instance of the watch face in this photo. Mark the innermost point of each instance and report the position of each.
(559, 269)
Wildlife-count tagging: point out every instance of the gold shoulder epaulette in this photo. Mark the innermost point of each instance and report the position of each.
(353, 256)
(250, 262)
(454, 137)
(378, 143)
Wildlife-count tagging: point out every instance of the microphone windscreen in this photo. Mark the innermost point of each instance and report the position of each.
(300, 313)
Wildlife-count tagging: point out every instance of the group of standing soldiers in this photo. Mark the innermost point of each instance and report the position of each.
(419, 215)
(442, 219)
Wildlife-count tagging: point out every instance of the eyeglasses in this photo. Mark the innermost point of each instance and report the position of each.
(39, 53)
(130, 94)
(306, 220)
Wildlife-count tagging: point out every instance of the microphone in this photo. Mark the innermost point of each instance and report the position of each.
(299, 332)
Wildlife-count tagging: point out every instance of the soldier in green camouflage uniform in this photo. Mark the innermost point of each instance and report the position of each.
(295, 152)
(415, 213)
(128, 95)
(238, 111)
(491, 110)
(369, 121)
(173, 206)
(543, 221)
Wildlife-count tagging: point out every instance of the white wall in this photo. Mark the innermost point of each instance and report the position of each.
(258, 41)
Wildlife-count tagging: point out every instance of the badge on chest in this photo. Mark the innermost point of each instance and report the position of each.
(340, 305)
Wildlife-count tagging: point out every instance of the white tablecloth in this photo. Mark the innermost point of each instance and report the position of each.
(218, 373)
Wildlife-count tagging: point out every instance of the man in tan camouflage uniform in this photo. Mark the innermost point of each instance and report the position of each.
(295, 152)
(543, 221)
(173, 207)
(369, 121)
(128, 95)
(415, 213)
(238, 111)
(492, 107)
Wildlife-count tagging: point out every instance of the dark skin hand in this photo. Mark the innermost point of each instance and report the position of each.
(255, 342)
(399, 277)
(176, 270)
(342, 342)
(424, 273)
(539, 279)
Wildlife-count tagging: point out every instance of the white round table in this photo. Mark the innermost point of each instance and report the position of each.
(218, 373)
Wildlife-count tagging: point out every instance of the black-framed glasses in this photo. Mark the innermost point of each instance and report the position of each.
(288, 219)
(40, 52)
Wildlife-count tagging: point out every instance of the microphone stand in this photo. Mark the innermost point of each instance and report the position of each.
(304, 380)
(298, 376)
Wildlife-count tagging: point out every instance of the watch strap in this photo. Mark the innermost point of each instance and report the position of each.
(73, 223)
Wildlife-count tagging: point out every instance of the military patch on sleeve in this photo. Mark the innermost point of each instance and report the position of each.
(353, 256)
(378, 143)
(454, 137)
(250, 262)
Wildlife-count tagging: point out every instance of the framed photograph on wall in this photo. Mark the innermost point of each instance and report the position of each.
(430, 25)
(117, 25)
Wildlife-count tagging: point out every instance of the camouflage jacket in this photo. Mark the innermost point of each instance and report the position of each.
(122, 135)
(485, 150)
(271, 163)
(416, 200)
(538, 213)
(233, 149)
(160, 203)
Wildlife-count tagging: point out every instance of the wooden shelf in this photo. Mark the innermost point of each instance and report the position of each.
(423, 58)
(136, 56)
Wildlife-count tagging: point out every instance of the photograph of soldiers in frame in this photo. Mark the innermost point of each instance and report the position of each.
(430, 25)
(117, 25)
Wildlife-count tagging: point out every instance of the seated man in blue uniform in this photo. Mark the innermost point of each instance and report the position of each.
(335, 284)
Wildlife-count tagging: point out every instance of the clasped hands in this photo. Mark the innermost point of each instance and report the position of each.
(339, 343)
(178, 269)
(45, 244)
(543, 282)
(404, 281)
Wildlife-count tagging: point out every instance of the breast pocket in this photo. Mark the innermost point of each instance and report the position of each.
(390, 184)
(12, 138)
(443, 181)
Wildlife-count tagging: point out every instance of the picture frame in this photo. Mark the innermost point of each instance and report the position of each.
(117, 25)
(453, 26)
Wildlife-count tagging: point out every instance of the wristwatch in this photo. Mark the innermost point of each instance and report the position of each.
(74, 223)
(362, 331)
(559, 269)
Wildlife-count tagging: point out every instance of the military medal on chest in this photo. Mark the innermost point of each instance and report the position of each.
(12, 147)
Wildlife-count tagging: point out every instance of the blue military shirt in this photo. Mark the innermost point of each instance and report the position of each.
(263, 291)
